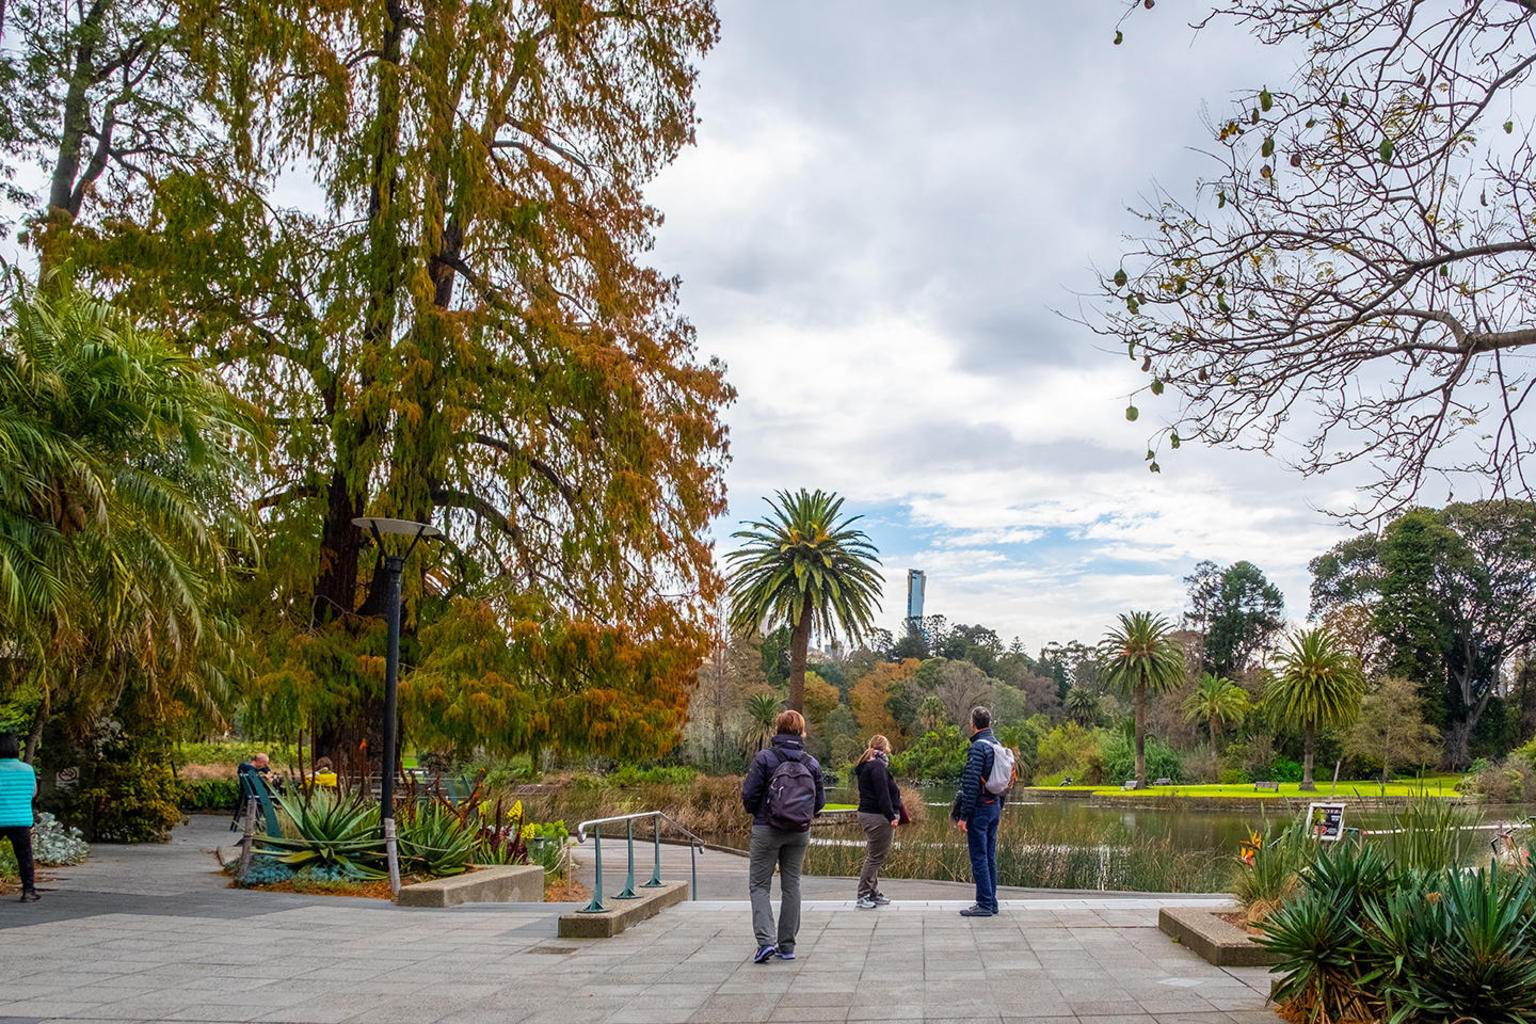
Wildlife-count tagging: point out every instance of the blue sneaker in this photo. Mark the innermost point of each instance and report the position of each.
(764, 954)
(785, 956)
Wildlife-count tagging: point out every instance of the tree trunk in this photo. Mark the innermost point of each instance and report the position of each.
(799, 645)
(39, 722)
(1307, 785)
(1215, 757)
(1141, 737)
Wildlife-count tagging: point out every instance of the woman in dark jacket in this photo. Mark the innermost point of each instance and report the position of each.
(879, 813)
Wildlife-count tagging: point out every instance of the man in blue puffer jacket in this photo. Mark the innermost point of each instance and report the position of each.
(976, 812)
(18, 786)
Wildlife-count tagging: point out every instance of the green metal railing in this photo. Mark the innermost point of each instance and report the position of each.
(695, 847)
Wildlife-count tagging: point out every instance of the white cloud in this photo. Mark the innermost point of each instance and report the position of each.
(886, 202)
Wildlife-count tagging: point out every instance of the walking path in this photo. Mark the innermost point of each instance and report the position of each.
(152, 934)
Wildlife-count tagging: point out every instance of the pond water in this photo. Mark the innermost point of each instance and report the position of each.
(1186, 828)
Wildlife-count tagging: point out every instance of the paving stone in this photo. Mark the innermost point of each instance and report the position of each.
(119, 946)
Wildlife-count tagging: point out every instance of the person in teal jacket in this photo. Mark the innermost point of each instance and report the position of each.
(18, 785)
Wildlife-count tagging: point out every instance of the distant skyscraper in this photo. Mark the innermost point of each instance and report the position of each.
(915, 583)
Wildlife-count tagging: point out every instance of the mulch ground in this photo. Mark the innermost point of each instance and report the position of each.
(366, 890)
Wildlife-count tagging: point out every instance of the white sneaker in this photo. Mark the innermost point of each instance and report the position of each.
(881, 899)
(866, 903)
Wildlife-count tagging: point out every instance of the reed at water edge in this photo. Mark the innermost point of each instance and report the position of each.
(1067, 855)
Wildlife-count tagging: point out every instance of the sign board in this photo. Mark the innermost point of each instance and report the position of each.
(1326, 821)
(66, 777)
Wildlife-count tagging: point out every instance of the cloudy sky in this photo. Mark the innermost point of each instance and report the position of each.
(887, 204)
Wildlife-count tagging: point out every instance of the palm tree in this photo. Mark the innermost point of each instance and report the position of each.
(1216, 699)
(1142, 655)
(1318, 685)
(807, 568)
(116, 451)
(762, 709)
(1082, 705)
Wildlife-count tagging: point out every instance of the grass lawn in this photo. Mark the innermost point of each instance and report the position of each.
(840, 807)
(1432, 785)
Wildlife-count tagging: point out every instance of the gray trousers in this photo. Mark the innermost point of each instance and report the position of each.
(772, 848)
(878, 828)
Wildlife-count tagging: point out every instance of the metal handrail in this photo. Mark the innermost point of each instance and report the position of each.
(696, 846)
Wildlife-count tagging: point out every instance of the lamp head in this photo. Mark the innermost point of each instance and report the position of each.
(380, 525)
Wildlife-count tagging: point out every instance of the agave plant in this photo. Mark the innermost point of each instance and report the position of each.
(435, 840)
(332, 830)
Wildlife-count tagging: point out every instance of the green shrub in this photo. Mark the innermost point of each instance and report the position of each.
(1283, 769)
(664, 774)
(498, 774)
(125, 794)
(1510, 781)
(938, 757)
(233, 752)
(1119, 754)
(206, 795)
(548, 843)
(1233, 776)
(1070, 750)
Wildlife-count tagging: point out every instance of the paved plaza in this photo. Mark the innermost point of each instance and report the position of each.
(152, 934)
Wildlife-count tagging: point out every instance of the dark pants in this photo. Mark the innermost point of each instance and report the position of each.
(772, 848)
(21, 841)
(981, 837)
(878, 828)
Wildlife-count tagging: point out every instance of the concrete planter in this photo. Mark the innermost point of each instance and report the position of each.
(502, 883)
(1218, 942)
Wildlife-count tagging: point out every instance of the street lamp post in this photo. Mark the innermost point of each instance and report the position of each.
(394, 566)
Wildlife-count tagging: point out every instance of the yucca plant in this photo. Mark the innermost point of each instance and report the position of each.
(332, 829)
(1397, 935)
(1350, 875)
(1317, 948)
(1478, 964)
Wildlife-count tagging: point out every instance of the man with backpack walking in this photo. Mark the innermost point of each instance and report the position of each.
(989, 768)
(783, 791)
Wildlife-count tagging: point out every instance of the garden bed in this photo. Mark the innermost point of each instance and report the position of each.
(1214, 936)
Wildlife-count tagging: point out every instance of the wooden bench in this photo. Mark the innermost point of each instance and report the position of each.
(1163, 782)
(1128, 784)
(1267, 785)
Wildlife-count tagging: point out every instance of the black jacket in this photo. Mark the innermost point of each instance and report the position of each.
(754, 791)
(973, 783)
(878, 792)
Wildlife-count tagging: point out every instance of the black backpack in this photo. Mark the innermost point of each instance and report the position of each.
(791, 802)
